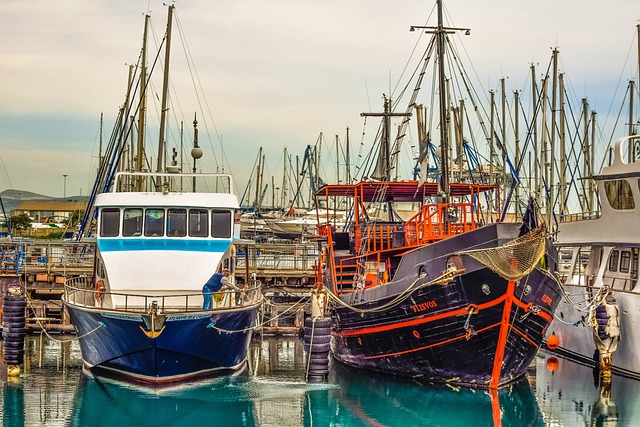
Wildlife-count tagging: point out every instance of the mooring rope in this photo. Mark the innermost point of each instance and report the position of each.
(313, 329)
(260, 325)
(402, 296)
(46, 332)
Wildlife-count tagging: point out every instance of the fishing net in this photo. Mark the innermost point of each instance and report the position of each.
(515, 259)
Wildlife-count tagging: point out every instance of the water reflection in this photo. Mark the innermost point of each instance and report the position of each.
(376, 400)
(101, 402)
(53, 391)
(571, 394)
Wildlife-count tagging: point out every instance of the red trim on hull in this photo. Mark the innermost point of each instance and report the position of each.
(430, 346)
(502, 338)
(383, 328)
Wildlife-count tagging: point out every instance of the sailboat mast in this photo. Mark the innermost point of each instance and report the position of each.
(440, 33)
(143, 105)
(165, 93)
(348, 161)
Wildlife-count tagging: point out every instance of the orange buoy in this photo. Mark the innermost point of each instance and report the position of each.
(553, 342)
(552, 364)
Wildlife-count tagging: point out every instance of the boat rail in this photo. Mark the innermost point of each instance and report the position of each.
(437, 221)
(81, 291)
(580, 216)
(173, 182)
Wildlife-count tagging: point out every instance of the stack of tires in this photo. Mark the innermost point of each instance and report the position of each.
(13, 328)
(317, 344)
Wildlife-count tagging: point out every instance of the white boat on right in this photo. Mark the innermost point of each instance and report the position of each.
(598, 260)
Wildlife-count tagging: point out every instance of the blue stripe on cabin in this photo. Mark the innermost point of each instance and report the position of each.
(163, 244)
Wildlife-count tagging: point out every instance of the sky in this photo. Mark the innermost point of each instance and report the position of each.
(272, 74)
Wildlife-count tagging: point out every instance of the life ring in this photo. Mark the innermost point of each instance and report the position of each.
(99, 294)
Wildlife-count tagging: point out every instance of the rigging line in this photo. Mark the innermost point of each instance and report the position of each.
(425, 59)
(260, 325)
(46, 332)
(613, 130)
(597, 298)
(401, 297)
(574, 154)
(632, 46)
(199, 86)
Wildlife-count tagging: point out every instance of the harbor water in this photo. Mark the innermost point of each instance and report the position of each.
(53, 390)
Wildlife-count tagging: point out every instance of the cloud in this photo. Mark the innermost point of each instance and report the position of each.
(274, 73)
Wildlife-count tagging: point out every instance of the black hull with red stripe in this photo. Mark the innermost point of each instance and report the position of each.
(478, 329)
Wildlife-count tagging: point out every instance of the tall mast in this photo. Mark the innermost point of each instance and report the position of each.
(100, 147)
(337, 160)
(516, 132)
(586, 169)
(383, 166)
(440, 31)
(534, 126)
(165, 92)
(552, 147)
(443, 103)
(348, 161)
(563, 150)
(143, 105)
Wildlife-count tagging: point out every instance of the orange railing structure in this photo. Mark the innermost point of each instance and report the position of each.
(438, 221)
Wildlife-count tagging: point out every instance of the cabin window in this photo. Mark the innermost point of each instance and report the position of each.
(154, 222)
(625, 261)
(221, 224)
(132, 222)
(613, 260)
(177, 222)
(109, 222)
(634, 263)
(198, 223)
(619, 194)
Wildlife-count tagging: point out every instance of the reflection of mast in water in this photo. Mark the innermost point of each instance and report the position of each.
(605, 412)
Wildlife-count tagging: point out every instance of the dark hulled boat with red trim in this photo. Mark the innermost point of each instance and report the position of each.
(451, 294)
(464, 303)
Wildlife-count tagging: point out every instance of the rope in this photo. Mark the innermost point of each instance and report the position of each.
(260, 325)
(595, 301)
(313, 330)
(51, 337)
(401, 297)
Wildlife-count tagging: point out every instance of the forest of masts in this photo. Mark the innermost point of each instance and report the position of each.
(546, 150)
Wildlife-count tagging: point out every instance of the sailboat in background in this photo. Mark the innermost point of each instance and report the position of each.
(145, 316)
(447, 295)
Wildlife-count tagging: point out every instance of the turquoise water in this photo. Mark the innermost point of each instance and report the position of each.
(54, 391)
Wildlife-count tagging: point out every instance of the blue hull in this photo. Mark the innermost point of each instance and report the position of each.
(196, 345)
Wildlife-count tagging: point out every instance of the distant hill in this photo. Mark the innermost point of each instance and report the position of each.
(11, 198)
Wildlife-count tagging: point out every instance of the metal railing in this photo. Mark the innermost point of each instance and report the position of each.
(81, 291)
(282, 257)
(17, 257)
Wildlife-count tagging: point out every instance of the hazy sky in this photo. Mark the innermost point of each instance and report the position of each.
(274, 73)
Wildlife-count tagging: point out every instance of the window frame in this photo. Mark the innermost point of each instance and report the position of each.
(221, 223)
(106, 222)
(139, 226)
(180, 230)
(203, 230)
(150, 222)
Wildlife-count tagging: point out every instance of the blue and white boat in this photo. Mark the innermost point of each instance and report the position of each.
(145, 314)
(141, 316)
